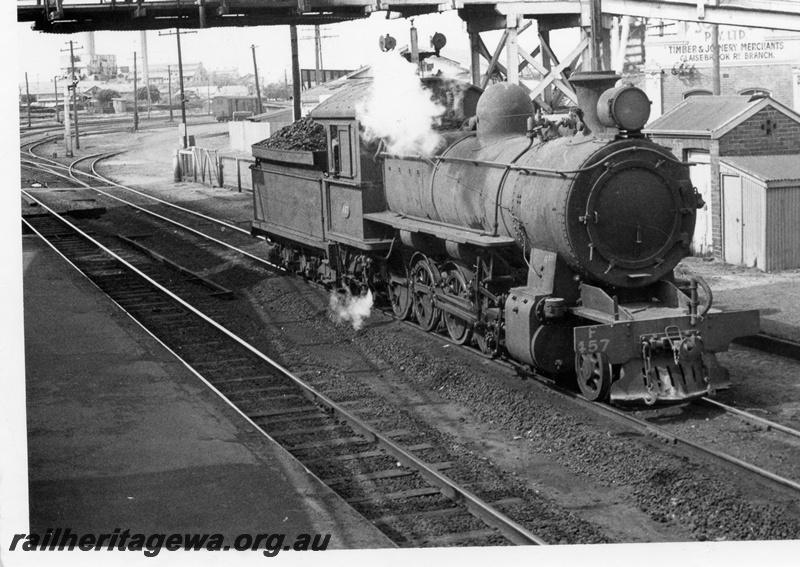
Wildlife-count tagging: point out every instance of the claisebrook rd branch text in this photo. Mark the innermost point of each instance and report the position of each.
(59, 539)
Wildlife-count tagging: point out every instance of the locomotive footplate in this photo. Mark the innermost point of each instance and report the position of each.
(664, 359)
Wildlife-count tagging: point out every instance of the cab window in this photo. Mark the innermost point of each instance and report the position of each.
(341, 151)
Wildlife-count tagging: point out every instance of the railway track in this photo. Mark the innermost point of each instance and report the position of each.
(653, 429)
(74, 175)
(369, 467)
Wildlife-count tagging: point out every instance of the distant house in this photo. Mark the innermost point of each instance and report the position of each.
(227, 77)
(231, 90)
(159, 74)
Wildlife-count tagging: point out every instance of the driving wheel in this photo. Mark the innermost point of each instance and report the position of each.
(594, 376)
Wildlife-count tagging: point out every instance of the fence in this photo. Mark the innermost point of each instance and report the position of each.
(207, 166)
(236, 173)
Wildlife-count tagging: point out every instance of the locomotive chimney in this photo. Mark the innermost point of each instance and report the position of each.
(589, 86)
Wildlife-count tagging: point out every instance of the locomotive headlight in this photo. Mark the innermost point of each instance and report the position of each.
(626, 107)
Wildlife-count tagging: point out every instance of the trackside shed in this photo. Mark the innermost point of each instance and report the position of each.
(761, 216)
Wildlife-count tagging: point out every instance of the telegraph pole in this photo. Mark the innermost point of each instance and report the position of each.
(28, 98)
(185, 135)
(67, 128)
(183, 92)
(169, 86)
(55, 87)
(74, 91)
(135, 95)
(317, 55)
(258, 88)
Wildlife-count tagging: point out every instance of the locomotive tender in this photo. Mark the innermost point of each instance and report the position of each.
(556, 252)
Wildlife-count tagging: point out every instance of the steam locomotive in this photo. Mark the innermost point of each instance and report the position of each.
(555, 251)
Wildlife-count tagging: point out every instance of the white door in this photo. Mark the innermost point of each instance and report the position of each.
(796, 84)
(700, 176)
(732, 218)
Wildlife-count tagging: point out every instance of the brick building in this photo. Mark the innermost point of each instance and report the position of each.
(707, 129)
(679, 63)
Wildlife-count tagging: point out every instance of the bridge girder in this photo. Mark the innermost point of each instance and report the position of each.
(60, 16)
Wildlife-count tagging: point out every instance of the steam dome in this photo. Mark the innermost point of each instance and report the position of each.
(503, 110)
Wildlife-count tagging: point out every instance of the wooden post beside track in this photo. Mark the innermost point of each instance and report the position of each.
(135, 96)
(67, 126)
(28, 99)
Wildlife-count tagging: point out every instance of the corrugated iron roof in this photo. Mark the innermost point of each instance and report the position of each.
(767, 168)
(271, 113)
(700, 114)
(342, 104)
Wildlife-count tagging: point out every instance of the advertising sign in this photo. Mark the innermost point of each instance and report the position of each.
(692, 45)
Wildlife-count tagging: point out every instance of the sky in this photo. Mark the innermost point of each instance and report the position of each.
(345, 45)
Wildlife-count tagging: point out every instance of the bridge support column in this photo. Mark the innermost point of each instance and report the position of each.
(597, 27)
(512, 67)
(475, 57)
(295, 73)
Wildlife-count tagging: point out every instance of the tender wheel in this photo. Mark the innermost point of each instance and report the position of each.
(460, 331)
(422, 286)
(400, 296)
(594, 376)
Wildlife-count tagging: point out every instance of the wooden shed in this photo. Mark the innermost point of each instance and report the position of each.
(761, 211)
(707, 129)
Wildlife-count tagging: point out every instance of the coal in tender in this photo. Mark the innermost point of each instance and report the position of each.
(305, 134)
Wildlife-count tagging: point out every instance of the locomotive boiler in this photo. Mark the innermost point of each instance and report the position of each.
(554, 250)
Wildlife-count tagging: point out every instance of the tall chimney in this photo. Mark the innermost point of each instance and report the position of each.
(90, 49)
(589, 85)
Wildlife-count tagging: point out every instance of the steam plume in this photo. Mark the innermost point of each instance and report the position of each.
(399, 109)
(347, 308)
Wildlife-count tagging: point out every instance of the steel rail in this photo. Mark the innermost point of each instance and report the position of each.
(752, 418)
(771, 345)
(40, 143)
(508, 527)
(105, 179)
(678, 440)
(618, 415)
(643, 425)
(166, 219)
(98, 177)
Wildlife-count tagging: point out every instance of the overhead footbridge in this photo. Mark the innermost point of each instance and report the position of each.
(70, 16)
